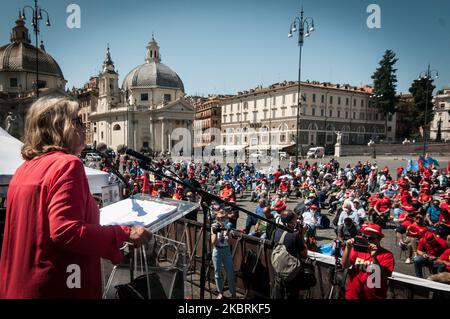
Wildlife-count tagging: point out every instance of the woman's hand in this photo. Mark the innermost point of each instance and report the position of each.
(139, 235)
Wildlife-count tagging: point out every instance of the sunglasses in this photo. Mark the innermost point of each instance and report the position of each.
(78, 122)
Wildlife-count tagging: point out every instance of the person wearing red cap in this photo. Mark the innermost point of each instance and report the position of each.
(382, 210)
(364, 268)
(444, 259)
(429, 249)
(414, 233)
(443, 227)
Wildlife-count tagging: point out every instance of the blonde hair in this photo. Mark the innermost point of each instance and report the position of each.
(49, 126)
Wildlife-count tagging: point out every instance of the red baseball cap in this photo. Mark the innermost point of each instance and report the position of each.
(372, 229)
(279, 206)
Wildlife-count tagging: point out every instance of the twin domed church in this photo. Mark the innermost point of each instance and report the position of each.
(145, 111)
(142, 113)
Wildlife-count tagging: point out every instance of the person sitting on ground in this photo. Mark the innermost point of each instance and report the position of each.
(251, 220)
(227, 193)
(433, 214)
(311, 218)
(360, 211)
(443, 227)
(430, 247)
(347, 230)
(382, 210)
(414, 233)
(263, 229)
(444, 259)
(364, 263)
(348, 211)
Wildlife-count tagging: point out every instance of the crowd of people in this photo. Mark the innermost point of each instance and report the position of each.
(415, 203)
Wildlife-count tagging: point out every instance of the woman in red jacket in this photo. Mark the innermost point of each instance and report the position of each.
(53, 241)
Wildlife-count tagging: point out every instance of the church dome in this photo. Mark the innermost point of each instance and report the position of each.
(20, 55)
(152, 73)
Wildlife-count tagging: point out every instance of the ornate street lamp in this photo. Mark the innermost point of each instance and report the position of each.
(300, 25)
(37, 16)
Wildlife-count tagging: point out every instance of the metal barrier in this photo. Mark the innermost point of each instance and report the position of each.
(254, 273)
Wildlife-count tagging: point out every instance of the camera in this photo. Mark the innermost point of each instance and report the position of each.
(217, 228)
(361, 244)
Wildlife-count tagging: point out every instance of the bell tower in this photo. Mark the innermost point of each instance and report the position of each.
(152, 52)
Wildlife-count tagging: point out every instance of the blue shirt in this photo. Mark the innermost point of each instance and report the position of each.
(259, 210)
(434, 213)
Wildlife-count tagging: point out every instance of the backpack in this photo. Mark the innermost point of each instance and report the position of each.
(285, 265)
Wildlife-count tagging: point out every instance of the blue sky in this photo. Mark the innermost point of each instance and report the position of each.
(225, 46)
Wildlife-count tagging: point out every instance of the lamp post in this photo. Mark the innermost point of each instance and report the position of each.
(37, 16)
(427, 75)
(308, 24)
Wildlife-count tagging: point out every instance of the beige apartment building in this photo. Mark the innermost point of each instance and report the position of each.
(265, 118)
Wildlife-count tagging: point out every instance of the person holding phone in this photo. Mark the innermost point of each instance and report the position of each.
(369, 268)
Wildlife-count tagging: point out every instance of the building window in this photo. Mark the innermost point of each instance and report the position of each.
(274, 100)
(245, 105)
(362, 103)
(322, 112)
(245, 116)
(339, 114)
(255, 117)
(167, 97)
(346, 101)
(339, 100)
(354, 115)
(313, 111)
(369, 116)
(389, 129)
(101, 135)
(273, 113)
(283, 138)
(283, 112)
(314, 98)
(144, 97)
(265, 102)
(322, 98)
(116, 127)
(13, 82)
(284, 99)
(354, 102)
(331, 113)
(361, 116)
(390, 118)
(346, 115)
(442, 105)
(293, 98)
(331, 100)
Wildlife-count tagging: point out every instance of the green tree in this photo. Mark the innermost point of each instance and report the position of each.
(385, 85)
(422, 92)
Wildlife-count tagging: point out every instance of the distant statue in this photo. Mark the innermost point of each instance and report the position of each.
(10, 119)
(371, 142)
(338, 138)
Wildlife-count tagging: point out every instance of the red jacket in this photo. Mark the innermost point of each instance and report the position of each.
(52, 222)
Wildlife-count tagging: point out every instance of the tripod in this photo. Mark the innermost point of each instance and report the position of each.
(335, 282)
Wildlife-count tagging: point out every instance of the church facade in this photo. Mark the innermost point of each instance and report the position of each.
(146, 111)
(18, 78)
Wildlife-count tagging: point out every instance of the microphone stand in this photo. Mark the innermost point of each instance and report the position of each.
(206, 200)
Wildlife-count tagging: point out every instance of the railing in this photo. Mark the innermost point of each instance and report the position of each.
(254, 273)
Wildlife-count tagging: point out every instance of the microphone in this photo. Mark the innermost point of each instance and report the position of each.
(123, 149)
